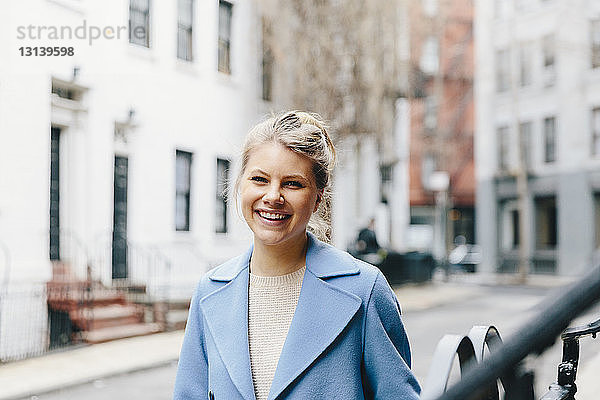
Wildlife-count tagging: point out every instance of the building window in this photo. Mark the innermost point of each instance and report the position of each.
(185, 24)
(525, 137)
(225, 12)
(428, 167)
(430, 57)
(597, 219)
(596, 132)
(54, 209)
(267, 61)
(525, 65)
(549, 51)
(502, 139)
(514, 219)
(221, 203)
(386, 174)
(509, 234)
(550, 139)
(595, 40)
(139, 22)
(545, 223)
(502, 70)
(183, 172)
(430, 115)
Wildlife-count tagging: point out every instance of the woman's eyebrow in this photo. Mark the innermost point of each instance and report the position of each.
(258, 171)
(295, 176)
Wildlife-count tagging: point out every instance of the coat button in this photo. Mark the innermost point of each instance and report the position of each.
(211, 396)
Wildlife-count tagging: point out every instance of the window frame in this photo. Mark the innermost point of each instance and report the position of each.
(503, 141)
(147, 16)
(185, 31)
(595, 132)
(224, 43)
(595, 43)
(222, 183)
(550, 155)
(503, 81)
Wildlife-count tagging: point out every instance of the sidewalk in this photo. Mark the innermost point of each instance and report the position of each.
(54, 371)
(23, 379)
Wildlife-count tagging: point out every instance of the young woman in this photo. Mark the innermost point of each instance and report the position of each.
(293, 317)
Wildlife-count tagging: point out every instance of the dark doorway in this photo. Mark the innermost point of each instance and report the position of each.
(55, 193)
(119, 238)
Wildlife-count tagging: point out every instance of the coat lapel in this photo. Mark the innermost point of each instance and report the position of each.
(323, 311)
(226, 313)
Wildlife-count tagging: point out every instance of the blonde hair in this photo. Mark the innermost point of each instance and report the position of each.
(306, 134)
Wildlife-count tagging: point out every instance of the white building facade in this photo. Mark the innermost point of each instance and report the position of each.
(537, 91)
(117, 142)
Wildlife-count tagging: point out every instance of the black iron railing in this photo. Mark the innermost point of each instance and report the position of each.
(504, 363)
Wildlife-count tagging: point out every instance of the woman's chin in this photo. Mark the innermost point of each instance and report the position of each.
(274, 238)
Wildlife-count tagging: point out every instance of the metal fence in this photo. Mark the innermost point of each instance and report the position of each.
(46, 316)
(23, 327)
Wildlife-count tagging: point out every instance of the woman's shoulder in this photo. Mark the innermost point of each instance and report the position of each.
(221, 274)
(341, 269)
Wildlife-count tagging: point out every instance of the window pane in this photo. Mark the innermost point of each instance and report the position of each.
(430, 115)
(550, 139)
(545, 223)
(526, 64)
(502, 70)
(221, 201)
(502, 141)
(183, 166)
(549, 48)
(185, 29)
(596, 132)
(267, 61)
(595, 40)
(139, 22)
(224, 45)
(525, 136)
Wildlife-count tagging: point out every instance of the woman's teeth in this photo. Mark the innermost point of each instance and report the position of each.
(272, 215)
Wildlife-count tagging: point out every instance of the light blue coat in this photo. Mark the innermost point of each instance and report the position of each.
(346, 339)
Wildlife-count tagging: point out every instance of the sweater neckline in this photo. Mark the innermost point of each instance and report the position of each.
(280, 280)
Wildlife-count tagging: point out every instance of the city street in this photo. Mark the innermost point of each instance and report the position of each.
(504, 306)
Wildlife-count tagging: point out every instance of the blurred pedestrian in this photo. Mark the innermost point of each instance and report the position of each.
(367, 239)
(293, 317)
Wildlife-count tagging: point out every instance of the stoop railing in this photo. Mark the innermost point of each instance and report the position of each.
(480, 378)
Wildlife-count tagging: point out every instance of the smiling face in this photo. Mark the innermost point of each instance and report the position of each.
(278, 194)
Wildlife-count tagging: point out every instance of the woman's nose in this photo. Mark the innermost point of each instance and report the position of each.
(273, 195)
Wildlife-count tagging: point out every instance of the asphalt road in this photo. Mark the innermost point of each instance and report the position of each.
(504, 307)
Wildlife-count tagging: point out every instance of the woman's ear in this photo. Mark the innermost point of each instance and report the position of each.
(319, 198)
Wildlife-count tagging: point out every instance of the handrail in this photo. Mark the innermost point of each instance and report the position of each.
(533, 337)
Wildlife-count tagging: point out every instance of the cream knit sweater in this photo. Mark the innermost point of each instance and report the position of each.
(272, 302)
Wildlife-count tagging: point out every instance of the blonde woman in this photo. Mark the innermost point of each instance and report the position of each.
(293, 317)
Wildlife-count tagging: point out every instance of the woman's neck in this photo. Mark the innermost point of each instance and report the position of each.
(278, 260)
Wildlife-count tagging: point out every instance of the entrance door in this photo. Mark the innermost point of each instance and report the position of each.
(54, 194)
(119, 238)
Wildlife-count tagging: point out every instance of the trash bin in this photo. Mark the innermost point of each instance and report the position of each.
(407, 267)
(418, 266)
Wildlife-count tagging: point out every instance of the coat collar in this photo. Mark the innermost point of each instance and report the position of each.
(323, 260)
(226, 313)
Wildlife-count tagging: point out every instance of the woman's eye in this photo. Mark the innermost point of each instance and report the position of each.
(294, 184)
(258, 179)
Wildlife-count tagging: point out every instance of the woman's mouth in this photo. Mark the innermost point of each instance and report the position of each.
(272, 216)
